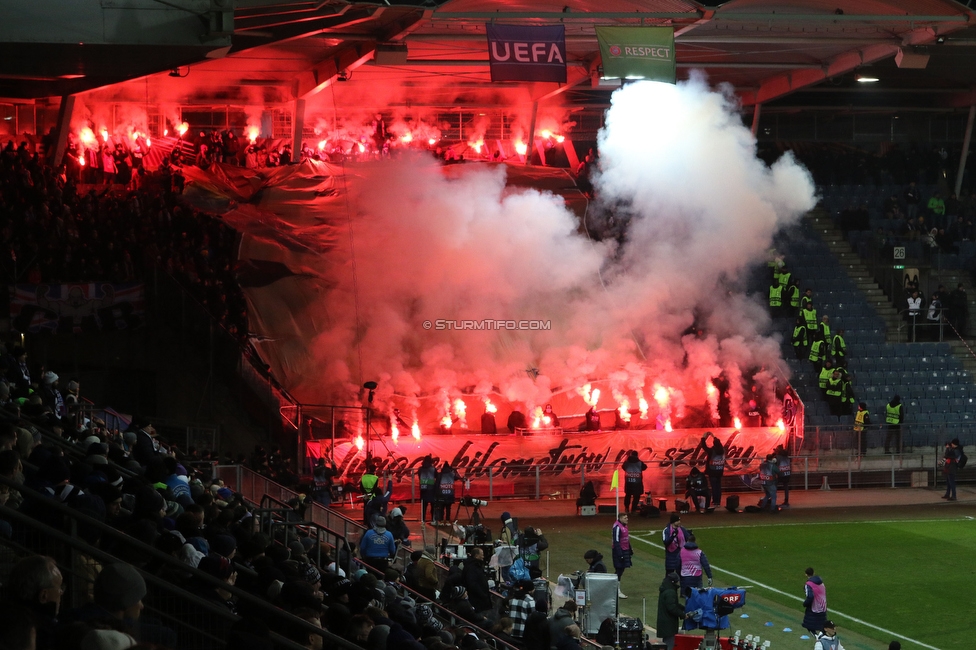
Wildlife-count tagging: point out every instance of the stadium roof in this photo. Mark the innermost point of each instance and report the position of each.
(271, 51)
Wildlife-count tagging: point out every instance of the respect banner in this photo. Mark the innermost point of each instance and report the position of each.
(637, 53)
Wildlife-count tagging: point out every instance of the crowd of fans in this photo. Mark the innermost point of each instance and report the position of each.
(53, 233)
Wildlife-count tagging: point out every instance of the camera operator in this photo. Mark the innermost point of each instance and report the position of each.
(475, 580)
(595, 561)
(696, 488)
(531, 543)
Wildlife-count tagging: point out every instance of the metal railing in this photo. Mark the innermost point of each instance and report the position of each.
(254, 487)
(173, 606)
(274, 514)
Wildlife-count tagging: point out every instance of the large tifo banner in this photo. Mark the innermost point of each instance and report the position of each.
(77, 308)
(559, 463)
(637, 53)
(521, 53)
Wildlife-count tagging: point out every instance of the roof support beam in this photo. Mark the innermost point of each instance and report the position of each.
(327, 71)
(728, 16)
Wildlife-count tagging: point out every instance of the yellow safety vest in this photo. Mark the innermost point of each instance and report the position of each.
(810, 316)
(815, 351)
(833, 387)
(859, 419)
(825, 375)
(893, 414)
(775, 296)
(840, 346)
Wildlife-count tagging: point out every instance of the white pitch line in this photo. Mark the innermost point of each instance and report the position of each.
(832, 612)
(827, 523)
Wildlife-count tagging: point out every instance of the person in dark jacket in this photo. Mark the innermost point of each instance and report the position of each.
(474, 579)
(595, 559)
(814, 602)
(714, 465)
(633, 481)
(428, 486)
(673, 538)
(696, 489)
(669, 609)
(147, 446)
(950, 465)
(561, 619)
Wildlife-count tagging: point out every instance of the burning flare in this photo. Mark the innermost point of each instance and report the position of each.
(662, 395)
(642, 404)
(460, 409)
(394, 430)
(252, 133)
(521, 148)
(360, 443)
(406, 138)
(415, 430)
(781, 426)
(667, 425)
(737, 422)
(182, 129)
(489, 407)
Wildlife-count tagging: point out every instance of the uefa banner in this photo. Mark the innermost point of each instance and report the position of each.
(637, 53)
(521, 53)
(75, 308)
(515, 464)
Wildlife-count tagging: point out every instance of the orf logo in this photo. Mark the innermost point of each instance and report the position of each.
(731, 599)
(615, 50)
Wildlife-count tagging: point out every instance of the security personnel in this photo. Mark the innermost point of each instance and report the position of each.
(369, 481)
(847, 395)
(428, 486)
(824, 330)
(861, 420)
(775, 299)
(800, 341)
(784, 277)
(894, 416)
(816, 355)
(825, 374)
(839, 348)
(807, 298)
(793, 293)
(834, 390)
(809, 314)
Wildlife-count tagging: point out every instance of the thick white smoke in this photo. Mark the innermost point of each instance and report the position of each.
(697, 208)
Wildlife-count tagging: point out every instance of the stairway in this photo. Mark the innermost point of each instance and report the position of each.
(859, 273)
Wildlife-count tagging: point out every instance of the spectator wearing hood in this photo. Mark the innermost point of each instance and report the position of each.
(398, 528)
(377, 545)
(669, 609)
(51, 395)
(562, 618)
(595, 561)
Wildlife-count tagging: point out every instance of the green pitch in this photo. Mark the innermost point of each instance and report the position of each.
(910, 579)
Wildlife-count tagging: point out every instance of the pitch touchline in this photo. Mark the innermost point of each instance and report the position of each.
(833, 523)
(833, 612)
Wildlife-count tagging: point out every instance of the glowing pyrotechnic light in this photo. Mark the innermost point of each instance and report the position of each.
(362, 147)
(182, 129)
(415, 430)
(537, 417)
(148, 141)
(86, 135)
(360, 443)
(546, 133)
(560, 138)
(252, 133)
(662, 396)
(477, 145)
(406, 138)
(624, 411)
(134, 135)
(394, 430)
(460, 409)
(595, 396)
(81, 160)
(446, 421)
(104, 134)
(781, 426)
(489, 407)
(323, 144)
(432, 141)
(738, 423)
(642, 404)
(521, 148)
(546, 421)
(667, 425)
(710, 389)
(165, 132)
